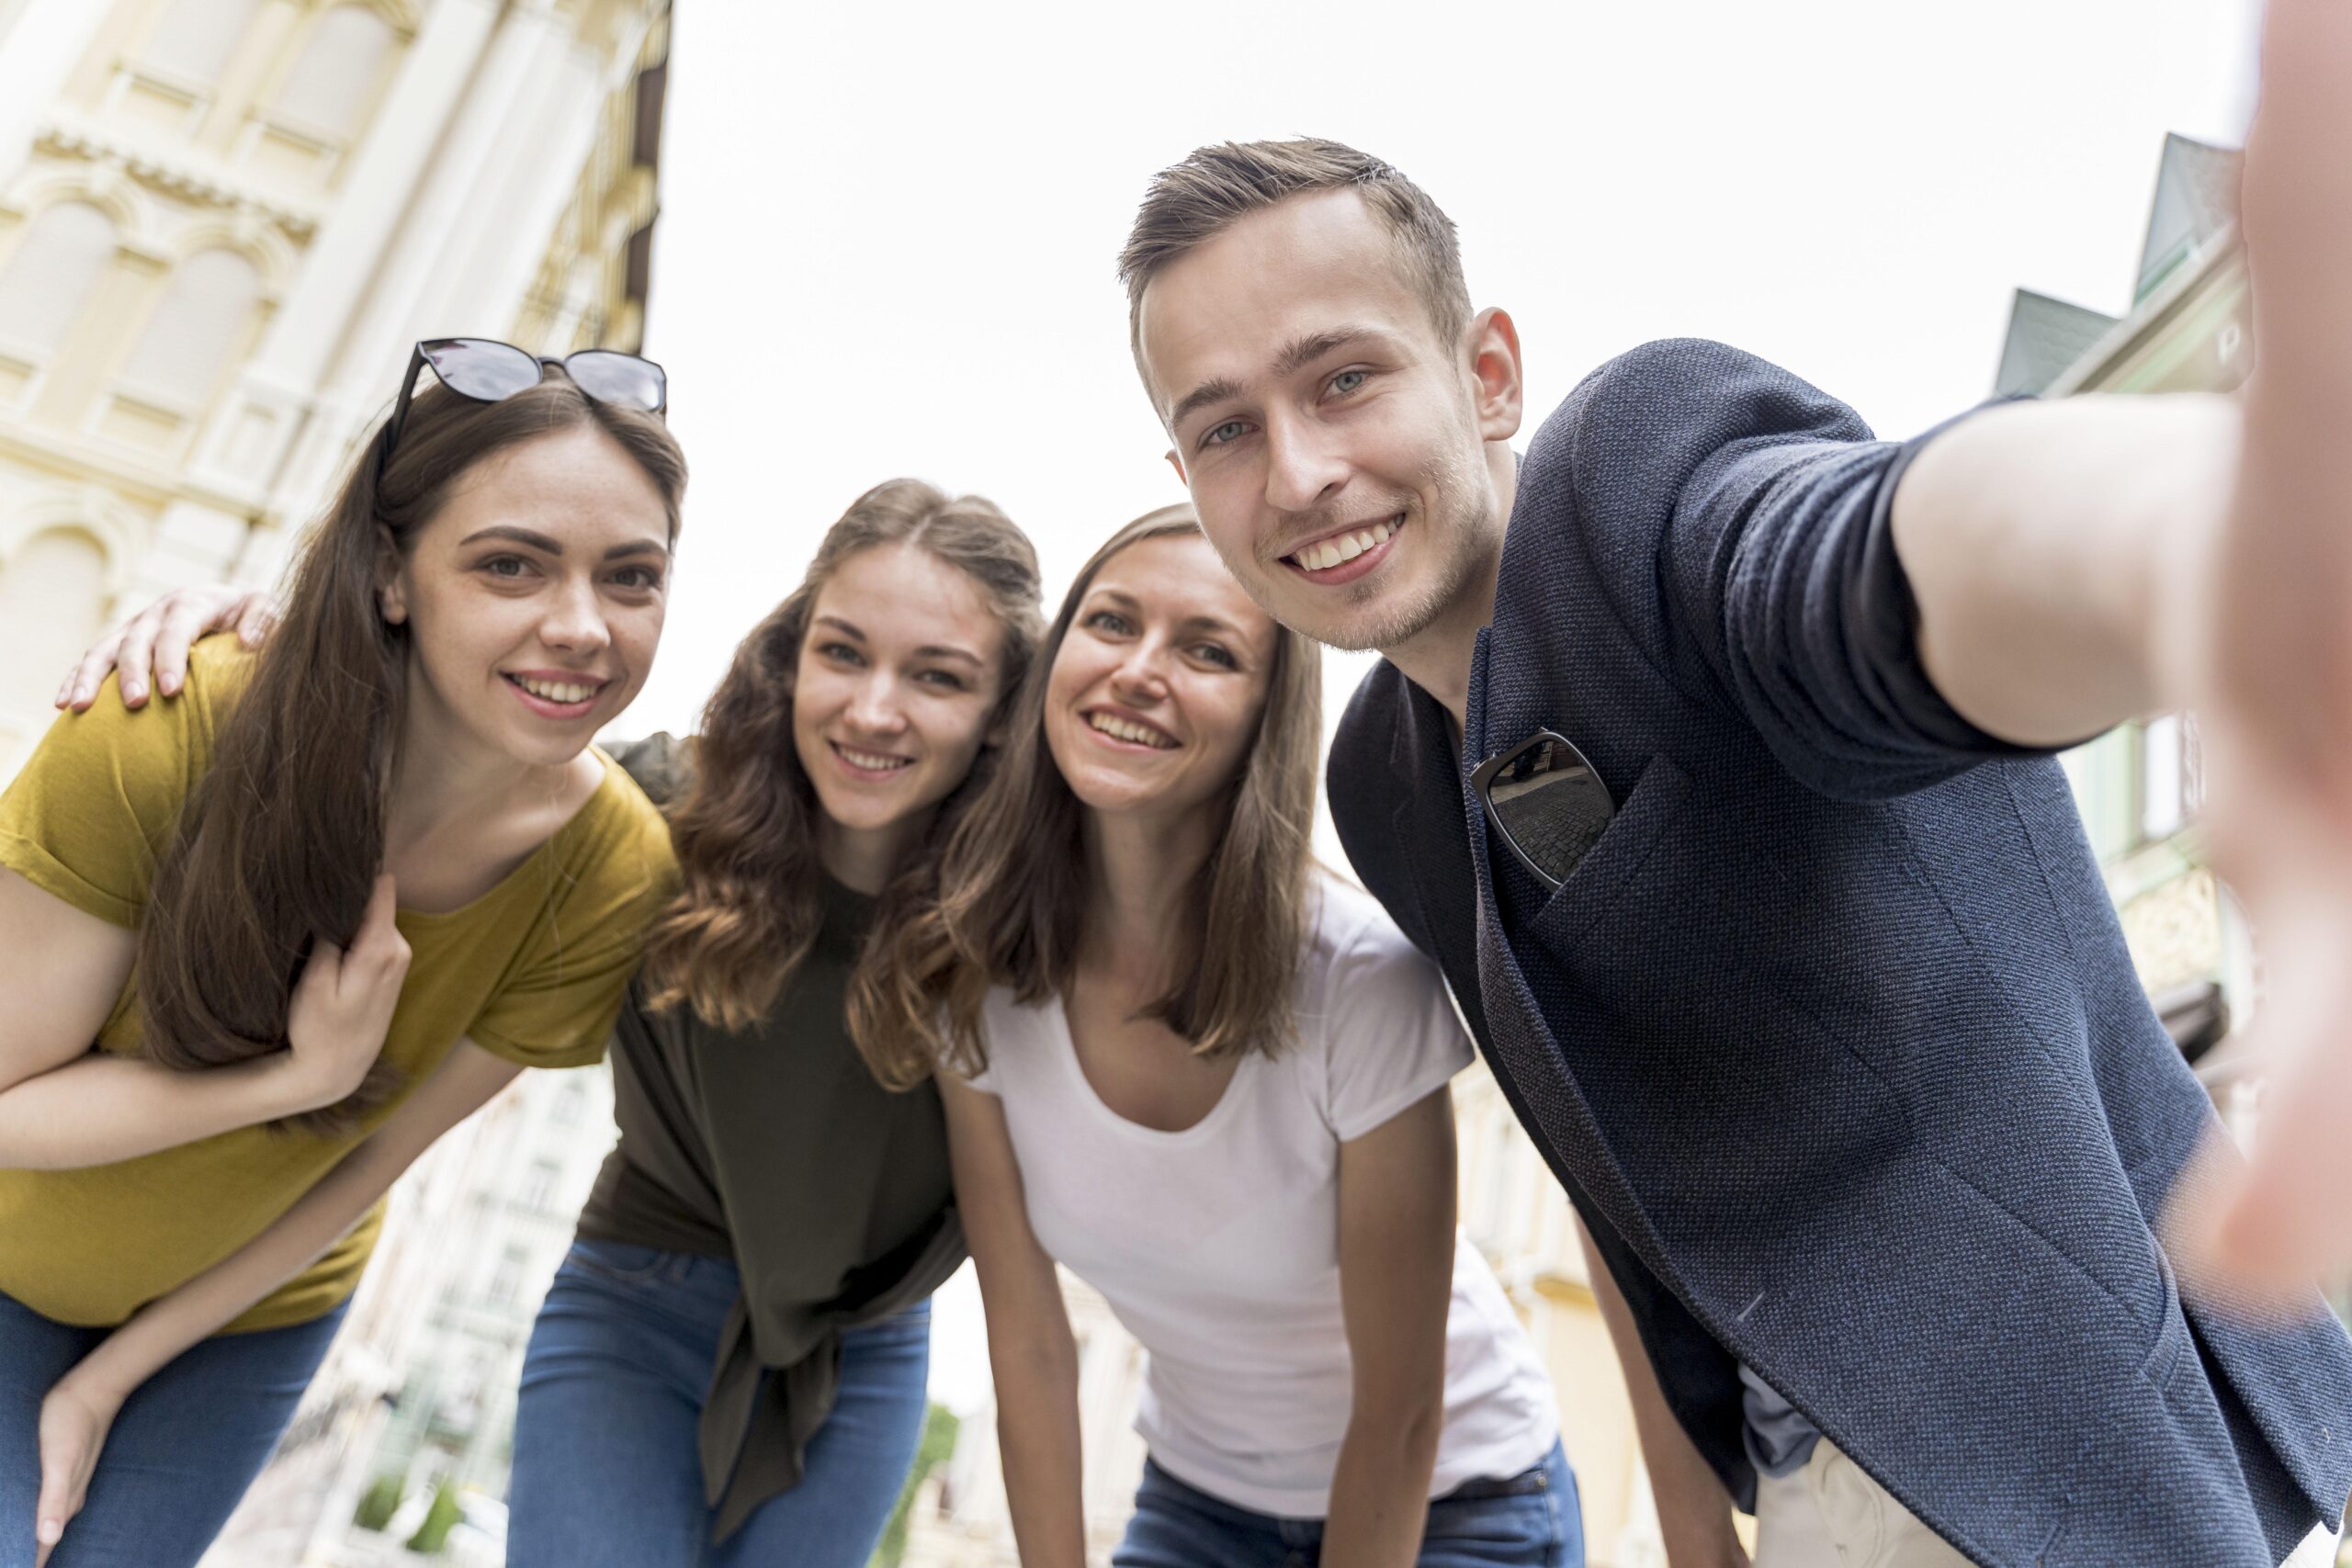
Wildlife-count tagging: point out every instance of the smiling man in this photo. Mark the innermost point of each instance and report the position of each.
(1710, 759)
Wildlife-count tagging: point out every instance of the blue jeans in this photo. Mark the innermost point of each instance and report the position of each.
(606, 1471)
(187, 1443)
(1527, 1519)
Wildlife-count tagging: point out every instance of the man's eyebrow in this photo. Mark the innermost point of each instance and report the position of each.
(1200, 397)
(1296, 355)
(1304, 351)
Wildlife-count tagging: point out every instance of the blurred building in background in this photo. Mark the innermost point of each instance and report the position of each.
(223, 222)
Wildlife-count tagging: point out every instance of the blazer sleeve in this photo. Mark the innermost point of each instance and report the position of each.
(1740, 521)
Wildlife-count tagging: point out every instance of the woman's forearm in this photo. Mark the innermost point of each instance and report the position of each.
(1380, 1491)
(1037, 1437)
(315, 1221)
(101, 1107)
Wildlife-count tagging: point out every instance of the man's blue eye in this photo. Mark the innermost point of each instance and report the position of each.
(1229, 431)
(1349, 381)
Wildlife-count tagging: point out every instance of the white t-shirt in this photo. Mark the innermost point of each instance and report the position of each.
(1218, 1246)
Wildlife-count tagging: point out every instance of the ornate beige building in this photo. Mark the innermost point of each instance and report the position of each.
(223, 222)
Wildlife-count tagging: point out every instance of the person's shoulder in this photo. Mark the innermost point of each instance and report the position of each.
(219, 670)
(1352, 935)
(619, 839)
(1666, 399)
(1357, 763)
(661, 764)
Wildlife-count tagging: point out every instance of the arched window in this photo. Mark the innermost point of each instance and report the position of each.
(52, 603)
(51, 278)
(334, 82)
(194, 41)
(201, 321)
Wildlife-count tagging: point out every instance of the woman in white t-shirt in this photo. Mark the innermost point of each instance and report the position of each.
(1212, 1082)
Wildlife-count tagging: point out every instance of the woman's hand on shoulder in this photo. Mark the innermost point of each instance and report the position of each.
(152, 647)
(343, 1003)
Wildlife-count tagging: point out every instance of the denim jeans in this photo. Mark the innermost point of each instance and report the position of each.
(187, 1443)
(606, 1471)
(1528, 1520)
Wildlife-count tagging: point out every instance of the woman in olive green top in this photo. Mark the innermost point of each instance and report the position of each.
(729, 1366)
(226, 895)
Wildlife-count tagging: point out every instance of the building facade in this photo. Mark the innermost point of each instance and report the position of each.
(223, 222)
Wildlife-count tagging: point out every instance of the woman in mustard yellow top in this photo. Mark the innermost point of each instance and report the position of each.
(311, 915)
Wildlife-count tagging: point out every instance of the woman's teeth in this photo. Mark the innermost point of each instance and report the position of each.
(1325, 553)
(872, 762)
(1121, 730)
(554, 691)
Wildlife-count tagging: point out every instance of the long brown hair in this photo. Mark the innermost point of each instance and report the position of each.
(1013, 887)
(745, 828)
(282, 838)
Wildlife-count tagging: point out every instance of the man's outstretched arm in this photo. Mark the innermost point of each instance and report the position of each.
(2077, 563)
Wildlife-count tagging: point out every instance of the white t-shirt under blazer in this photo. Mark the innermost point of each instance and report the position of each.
(1218, 1248)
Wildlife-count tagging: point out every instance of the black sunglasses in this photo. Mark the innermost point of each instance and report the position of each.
(1546, 801)
(490, 372)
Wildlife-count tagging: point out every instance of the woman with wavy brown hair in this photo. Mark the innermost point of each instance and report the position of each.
(261, 945)
(1212, 1082)
(729, 1366)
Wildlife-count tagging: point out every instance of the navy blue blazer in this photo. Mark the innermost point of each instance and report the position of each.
(1832, 1038)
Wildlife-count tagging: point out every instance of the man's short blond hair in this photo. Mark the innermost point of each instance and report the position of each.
(1214, 187)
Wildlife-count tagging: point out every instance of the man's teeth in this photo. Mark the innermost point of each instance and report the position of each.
(554, 690)
(1121, 730)
(1327, 553)
(873, 761)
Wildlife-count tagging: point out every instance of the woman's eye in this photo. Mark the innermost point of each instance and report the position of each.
(1107, 621)
(506, 566)
(840, 652)
(1215, 653)
(1347, 381)
(637, 576)
(944, 679)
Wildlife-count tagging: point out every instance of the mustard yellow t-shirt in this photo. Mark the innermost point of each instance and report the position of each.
(533, 971)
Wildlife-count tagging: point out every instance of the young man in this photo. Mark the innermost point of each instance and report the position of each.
(1709, 758)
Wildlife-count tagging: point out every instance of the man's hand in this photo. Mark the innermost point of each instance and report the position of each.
(2280, 712)
(154, 644)
(75, 1420)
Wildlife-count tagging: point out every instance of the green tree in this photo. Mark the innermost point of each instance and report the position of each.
(939, 1428)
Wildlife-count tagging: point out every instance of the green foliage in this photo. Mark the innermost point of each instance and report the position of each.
(378, 1504)
(439, 1520)
(939, 1428)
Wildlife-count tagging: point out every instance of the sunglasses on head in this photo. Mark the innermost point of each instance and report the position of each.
(490, 372)
(1546, 801)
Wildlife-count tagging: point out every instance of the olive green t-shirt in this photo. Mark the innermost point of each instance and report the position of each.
(532, 971)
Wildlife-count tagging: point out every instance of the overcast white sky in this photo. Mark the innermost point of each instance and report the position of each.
(889, 230)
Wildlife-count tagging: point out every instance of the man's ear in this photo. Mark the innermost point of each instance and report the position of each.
(392, 593)
(1177, 463)
(1492, 343)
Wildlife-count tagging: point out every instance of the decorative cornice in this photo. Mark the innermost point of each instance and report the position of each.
(176, 175)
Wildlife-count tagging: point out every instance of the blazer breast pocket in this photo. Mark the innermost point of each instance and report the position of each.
(1614, 865)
